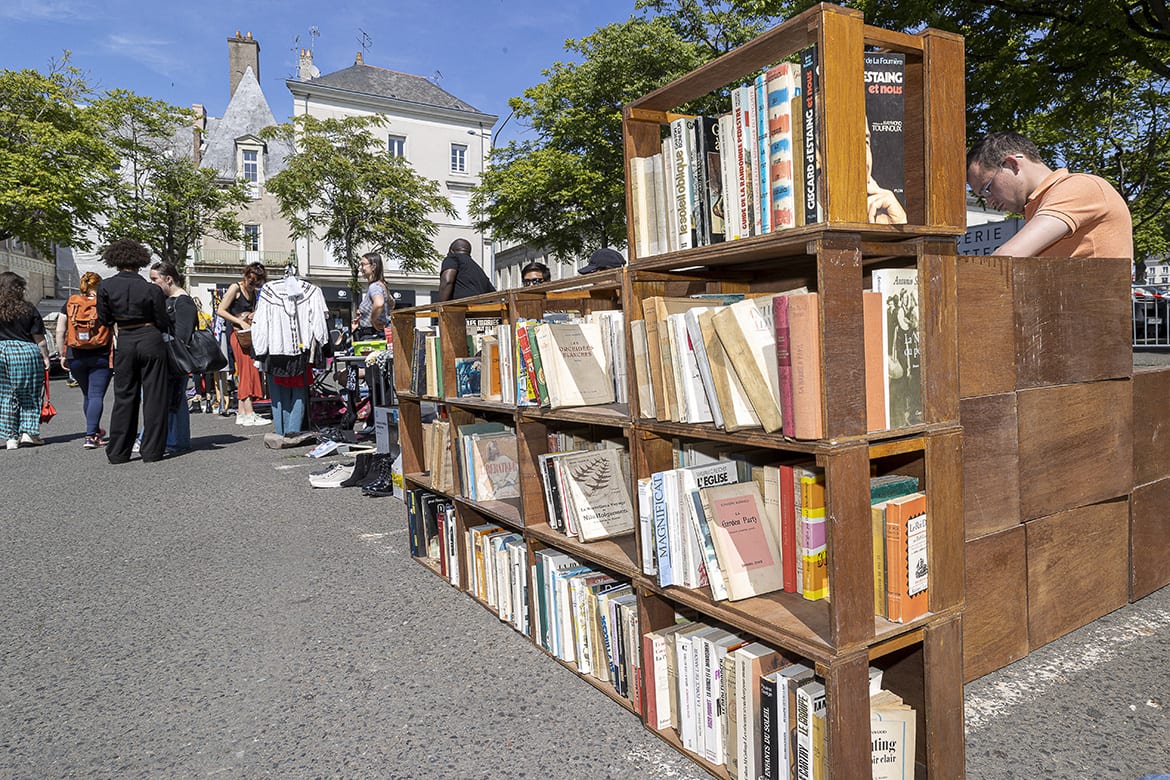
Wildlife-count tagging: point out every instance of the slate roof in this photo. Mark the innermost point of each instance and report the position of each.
(372, 80)
(246, 114)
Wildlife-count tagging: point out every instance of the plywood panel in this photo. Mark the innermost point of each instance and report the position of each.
(995, 621)
(1078, 568)
(1149, 538)
(1073, 320)
(1151, 424)
(986, 326)
(1076, 445)
(991, 464)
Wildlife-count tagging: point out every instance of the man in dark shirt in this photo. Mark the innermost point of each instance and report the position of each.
(460, 276)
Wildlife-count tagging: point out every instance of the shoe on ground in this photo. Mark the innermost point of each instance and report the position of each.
(93, 442)
(258, 420)
(136, 449)
(31, 440)
(334, 478)
(12, 444)
(242, 419)
(361, 467)
(329, 469)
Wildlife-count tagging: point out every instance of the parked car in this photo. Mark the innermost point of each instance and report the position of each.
(1151, 323)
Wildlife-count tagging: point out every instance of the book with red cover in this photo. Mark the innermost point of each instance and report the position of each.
(788, 557)
(906, 565)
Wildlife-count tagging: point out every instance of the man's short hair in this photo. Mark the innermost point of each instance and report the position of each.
(461, 246)
(992, 149)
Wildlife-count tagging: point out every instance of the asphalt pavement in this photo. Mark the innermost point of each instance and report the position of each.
(213, 615)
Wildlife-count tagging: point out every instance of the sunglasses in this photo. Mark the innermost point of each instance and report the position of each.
(534, 280)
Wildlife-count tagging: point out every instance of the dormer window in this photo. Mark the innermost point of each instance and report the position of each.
(250, 163)
(251, 172)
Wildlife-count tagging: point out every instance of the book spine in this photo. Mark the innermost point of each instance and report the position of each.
(803, 736)
(662, 543)
(770, 730)
(682, 185)
(784, 363)
(710, 156)
(805, 351)
(657, 683)
(780, 87)
(729, 165)
(811, 176)
(741, 170)
(646, 526)
(639, 195)
(763, 169)
(670, 194)
(697, 168)
(750, 158)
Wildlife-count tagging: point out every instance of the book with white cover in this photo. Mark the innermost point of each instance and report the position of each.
(576, 364)
(746, 331)
(598, 494)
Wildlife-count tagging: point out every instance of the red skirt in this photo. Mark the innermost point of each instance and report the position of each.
(248, 384)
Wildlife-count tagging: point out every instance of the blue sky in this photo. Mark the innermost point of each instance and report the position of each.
(486, 51)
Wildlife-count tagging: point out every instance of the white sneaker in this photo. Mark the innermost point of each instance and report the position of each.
(136, 449)
(31, 439)
(333, 477)
(242, 419)
(12, 444)
(258, 420)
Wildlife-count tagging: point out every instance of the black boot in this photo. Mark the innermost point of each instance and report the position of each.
(361, 469)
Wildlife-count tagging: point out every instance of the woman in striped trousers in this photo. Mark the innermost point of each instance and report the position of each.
(24, 359)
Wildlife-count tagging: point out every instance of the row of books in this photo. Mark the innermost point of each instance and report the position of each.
(497, 572)
(740, 704)
(757, 362)
(487, 467)
(589, 618)
(586, 489)
(758, 168)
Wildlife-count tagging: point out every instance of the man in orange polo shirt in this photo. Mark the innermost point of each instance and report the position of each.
(1066, 214)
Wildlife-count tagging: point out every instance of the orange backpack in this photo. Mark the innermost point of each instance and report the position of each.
(83, 330)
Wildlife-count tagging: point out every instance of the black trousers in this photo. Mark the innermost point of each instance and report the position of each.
(141, 373)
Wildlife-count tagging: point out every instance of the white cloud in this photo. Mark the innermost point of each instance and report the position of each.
(42, 11)
(157, 54)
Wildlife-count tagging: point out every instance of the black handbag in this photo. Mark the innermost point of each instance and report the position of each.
(200, 355)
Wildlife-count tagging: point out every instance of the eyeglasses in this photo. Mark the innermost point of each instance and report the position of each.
(533, 280)
(985, 190)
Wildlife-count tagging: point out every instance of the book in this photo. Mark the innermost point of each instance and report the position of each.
(752, 662)
(576, 365)
(811, 190)
(710, 178)
(467, 376)
(763, 168)
(907, 572)
(875, 367)
(748, 554)
(495, 466)
(735, 409)
(804, 333)
(641, 359)
(691, 481)
(746, 330)
(684, 188)
(656, 312)
(598, 494)
(689, 371)
(885, 147)
(810, 697)
(745, 129)
(892, 731)
(781, 83)
(813, 535)
(784, 363)
(900, 337)
(642, 196)
(729, 165)
(489, 380)
(715, 649)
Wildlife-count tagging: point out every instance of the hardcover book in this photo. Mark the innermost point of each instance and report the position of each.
(496, 467)
(747, 331)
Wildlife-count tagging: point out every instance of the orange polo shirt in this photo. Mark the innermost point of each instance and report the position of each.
(1095, 213)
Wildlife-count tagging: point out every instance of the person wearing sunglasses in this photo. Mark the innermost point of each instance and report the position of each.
(534, 273)
(1066, 214)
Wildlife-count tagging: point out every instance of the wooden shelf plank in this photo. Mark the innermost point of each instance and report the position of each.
(618, 555)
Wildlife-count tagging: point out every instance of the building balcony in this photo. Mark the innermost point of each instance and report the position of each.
(217, 261)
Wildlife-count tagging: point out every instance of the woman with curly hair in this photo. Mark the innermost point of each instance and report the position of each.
(138, 311)
(24, 359)
(237, 307)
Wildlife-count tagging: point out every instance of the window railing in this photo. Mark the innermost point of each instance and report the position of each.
(238, 258)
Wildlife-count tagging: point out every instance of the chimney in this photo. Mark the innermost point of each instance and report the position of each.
(357, 60)
(243, 53)
(305, 66)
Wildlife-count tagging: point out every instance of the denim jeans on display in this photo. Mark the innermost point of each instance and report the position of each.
(288, 408)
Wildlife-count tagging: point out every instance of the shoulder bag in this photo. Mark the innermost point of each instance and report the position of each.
(48, 411)
(199, 355)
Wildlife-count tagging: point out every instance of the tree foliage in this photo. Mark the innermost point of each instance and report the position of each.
(163, 199)
(1088, 82)
(342, 185)
(56, 169)
(565, 189)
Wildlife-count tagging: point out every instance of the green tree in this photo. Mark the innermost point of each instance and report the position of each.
(163, 199)
(565, 190)
(342, 185)
(56, 169)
